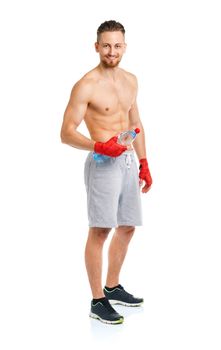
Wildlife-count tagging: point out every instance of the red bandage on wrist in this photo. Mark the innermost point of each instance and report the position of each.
(145, 172)
(110, 148)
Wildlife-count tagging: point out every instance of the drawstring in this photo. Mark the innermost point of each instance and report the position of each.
(128, 160)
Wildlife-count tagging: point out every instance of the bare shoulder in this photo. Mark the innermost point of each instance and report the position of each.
(83, 88)
(85, 85)
(130, 77)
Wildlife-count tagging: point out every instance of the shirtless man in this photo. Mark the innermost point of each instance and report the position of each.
(105, 98)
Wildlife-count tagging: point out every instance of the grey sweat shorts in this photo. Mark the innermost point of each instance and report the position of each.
(113, 193)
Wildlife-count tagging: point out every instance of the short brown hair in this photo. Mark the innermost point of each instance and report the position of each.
(110, 26)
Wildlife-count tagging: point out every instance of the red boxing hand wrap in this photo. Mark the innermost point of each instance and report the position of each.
(145, 172)
(110, 148)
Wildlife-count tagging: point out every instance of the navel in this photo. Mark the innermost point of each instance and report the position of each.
(106, 109)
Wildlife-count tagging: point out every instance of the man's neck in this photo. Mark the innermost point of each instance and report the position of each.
(111, 73)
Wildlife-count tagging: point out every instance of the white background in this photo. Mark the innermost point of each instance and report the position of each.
(174, 259)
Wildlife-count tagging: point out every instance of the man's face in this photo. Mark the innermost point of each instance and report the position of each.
(111, 48)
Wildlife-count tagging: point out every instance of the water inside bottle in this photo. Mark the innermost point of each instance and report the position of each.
(126, 138)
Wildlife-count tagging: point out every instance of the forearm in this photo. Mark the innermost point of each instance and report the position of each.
(77, 140)
(139, 142)
(144, 172)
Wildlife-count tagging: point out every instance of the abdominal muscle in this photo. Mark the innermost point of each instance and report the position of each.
(102, 128)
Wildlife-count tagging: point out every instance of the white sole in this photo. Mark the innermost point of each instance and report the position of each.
(96, 317)
(118, 302)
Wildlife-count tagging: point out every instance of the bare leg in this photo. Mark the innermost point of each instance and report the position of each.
(93, 259)
(117, 252)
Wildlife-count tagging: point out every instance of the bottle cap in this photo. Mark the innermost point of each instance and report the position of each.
(137, 130)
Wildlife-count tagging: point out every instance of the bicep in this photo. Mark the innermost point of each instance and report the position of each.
(134, 117)
(76, 108)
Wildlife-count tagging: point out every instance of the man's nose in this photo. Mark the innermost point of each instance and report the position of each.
(112, 51)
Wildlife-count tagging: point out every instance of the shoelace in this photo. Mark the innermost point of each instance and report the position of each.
(122, 288)
(108, 306)
(128, 294)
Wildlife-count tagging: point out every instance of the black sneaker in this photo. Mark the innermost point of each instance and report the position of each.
(119, 296)
(104, 312)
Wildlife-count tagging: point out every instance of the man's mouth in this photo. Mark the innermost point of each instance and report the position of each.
(111, 57)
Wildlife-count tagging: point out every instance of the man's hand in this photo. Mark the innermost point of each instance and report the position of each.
(144, 175)
(110, 148)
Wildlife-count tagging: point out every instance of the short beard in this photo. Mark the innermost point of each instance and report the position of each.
(109, 65)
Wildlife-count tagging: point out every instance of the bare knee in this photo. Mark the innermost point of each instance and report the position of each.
(125, 232)
(99, 234)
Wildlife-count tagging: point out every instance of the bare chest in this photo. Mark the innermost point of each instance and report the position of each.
(110, 99)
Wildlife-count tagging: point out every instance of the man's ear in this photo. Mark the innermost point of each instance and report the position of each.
(96, 46)
(125, 47)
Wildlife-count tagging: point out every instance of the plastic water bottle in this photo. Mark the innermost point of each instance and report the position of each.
(125, 138)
